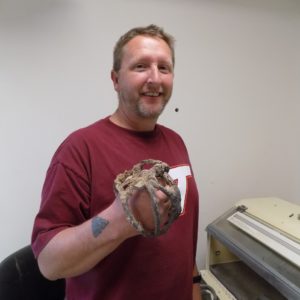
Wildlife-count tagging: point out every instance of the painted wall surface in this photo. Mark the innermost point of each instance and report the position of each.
(236, 87)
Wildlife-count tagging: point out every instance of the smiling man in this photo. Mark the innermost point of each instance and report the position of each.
(81, 232)
(144, 82)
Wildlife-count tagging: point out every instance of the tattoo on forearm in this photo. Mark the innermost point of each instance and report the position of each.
(98, 224)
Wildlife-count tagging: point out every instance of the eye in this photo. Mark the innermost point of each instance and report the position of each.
(140, 67)
(165, 69)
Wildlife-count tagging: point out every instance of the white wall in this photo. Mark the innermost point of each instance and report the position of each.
(236, 87)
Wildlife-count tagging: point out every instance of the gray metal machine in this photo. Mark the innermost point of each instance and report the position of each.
(254, 251)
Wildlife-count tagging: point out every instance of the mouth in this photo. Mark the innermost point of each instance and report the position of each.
(152, 94)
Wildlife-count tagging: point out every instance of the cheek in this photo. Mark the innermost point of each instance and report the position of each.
(135, 81)
(168, 80)
(168, 84)
(139, 79)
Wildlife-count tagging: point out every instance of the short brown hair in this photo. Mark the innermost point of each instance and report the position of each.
(152, 31)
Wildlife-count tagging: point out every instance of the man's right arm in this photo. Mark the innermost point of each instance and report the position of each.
(77, 249)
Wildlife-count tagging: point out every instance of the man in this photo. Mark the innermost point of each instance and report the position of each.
(81, 232)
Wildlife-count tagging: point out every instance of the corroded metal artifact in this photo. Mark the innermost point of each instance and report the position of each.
(149, 179)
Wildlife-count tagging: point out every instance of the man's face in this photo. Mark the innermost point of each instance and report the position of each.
(145, 80)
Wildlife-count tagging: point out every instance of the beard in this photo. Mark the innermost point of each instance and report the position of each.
(142, 107)
(150, 111)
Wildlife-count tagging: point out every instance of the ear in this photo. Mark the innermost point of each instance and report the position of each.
(115, 79)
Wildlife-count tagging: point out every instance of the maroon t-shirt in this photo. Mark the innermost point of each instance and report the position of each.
(79, 185)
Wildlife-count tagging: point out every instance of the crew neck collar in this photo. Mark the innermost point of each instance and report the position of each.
(151, 133)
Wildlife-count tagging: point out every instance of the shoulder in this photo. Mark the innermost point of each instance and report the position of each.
(79, 142)
(87, 134)
(169, 132)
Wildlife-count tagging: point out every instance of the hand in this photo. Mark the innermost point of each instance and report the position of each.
(141, 205)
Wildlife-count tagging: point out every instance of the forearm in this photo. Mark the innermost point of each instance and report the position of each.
(76, 250)
(196, 286)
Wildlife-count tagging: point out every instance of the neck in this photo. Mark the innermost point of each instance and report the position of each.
(137, 124)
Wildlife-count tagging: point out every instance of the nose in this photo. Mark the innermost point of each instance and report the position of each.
(154, 75)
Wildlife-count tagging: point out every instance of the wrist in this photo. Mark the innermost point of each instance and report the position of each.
(197, 278)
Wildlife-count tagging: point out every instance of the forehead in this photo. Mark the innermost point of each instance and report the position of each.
(147, 47)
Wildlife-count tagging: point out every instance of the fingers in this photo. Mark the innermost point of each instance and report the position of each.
(164, 205)
(142, 208)
(163, 200)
